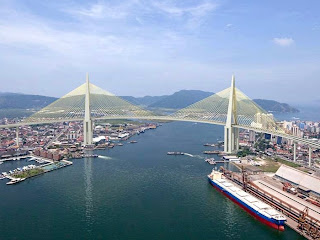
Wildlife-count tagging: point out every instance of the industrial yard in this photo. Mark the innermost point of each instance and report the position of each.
(293, 192)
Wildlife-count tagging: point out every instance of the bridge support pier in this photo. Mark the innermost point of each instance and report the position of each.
(87, 123)
(231, 139)
(231, 134)
(294, 151)
(310, 156)
(87, 132)
(17, 137)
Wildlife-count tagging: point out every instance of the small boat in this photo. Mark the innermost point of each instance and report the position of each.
(11, 182)
(210, 161)
(175, 153)
(133, 141)
(120, 144)
(90, 155)
(212, 152)
(16, 180)
(209, 145)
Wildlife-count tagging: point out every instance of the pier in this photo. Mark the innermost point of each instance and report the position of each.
(14, 158)
(21, 174)
(221, 161)
(302, 216)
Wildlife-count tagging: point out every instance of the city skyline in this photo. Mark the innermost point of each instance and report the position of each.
(154, 48)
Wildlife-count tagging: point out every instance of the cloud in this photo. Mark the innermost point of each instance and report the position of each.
(190, 15)
(103, 10)
(30, 35)
(44, 38)
(198, 10)
(283, 42)
(193, 15)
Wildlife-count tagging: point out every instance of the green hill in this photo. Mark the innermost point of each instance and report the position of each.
(274, 106)
(185, 98)
(181, 99)
(24, 101)
(144, 101)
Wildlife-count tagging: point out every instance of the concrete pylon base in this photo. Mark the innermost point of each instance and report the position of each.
(231, 140)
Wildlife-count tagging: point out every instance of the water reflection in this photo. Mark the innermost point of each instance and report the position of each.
(88, 192)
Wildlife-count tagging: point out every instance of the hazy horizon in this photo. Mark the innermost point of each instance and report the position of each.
(307, 105)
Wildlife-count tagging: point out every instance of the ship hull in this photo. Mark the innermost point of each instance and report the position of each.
(279, 225)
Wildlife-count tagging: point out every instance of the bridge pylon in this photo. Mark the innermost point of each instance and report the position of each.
(231, 134)
(87, 123)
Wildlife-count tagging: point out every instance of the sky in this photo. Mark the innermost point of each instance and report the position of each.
(156, 47)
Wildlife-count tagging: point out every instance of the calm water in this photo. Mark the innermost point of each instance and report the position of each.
(135, 192)
(307, 113)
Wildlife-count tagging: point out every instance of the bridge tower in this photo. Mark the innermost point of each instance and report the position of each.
(231, 134)
(87, 123)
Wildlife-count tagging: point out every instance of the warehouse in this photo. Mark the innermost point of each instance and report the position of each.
(299, 178)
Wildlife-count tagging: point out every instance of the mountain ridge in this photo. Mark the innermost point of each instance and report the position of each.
(177, 100)
(184, 98)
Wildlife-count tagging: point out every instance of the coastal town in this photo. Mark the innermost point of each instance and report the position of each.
(50, 146)
(64, 140)
(280, 148)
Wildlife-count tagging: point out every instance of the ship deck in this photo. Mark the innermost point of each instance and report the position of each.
(254, 203)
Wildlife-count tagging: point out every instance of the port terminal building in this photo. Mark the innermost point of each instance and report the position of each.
(302, 180)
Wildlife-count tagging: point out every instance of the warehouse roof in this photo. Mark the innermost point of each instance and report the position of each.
(300, 178)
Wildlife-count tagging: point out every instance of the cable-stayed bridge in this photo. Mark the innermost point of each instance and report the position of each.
(230, 108)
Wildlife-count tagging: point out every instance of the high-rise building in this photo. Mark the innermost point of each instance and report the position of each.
(287, 125)
(252, 136)
(267, 136)
(279, 140)
(263, 120)
(295, 130)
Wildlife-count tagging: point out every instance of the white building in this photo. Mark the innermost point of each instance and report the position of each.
(299, 178)
(73, 135)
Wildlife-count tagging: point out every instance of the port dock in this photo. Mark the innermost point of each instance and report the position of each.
(20, 174)
(302, 216)
(14, 158)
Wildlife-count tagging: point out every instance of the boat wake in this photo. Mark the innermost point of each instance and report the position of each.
(194, 156)
(104, 157)
(188, 154)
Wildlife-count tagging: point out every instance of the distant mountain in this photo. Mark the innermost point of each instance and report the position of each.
(181, 99)
(24, 101)
(177, 100)
(144, 101)
(9, 94)
(185, 98)
(274, 106)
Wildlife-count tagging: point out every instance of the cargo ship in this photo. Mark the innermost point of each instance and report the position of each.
(260, 210)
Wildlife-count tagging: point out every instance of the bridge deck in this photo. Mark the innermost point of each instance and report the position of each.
(308, 142)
